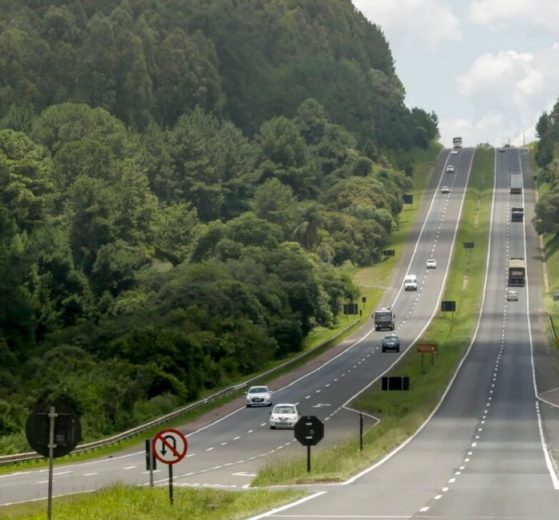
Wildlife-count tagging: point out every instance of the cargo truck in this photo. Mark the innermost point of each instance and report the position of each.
(457, 142)
(517, 272)
(517, 214)
(384, 319)
(516, 183)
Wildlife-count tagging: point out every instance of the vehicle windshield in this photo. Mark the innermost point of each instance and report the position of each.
(284, 409)
(258, 390)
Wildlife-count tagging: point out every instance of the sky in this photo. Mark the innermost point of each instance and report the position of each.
(487, 68)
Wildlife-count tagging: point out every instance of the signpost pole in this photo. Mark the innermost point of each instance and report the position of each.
(52, 417)
(171, 483)
(361, 431)
(308, 459)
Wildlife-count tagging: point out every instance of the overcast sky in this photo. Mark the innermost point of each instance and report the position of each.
(487, 68)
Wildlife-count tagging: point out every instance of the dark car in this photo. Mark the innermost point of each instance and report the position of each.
(391, 342)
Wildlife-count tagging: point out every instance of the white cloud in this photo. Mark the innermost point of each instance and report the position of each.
(497, 13)
(409, 23)
(507, 92)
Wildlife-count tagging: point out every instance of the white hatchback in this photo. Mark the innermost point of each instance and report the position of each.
(284, 415)
(431, 263)
(259, 396)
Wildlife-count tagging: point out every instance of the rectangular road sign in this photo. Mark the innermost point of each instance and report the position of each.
(427, 348)
(395, 383)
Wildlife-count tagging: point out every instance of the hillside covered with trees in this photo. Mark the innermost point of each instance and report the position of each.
(184, 185)
(547, 157)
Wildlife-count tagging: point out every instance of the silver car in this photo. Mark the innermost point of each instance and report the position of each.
(284, 415)
(259, 396)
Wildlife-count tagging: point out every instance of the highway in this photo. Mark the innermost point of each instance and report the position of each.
(483, 454)
(229, 451)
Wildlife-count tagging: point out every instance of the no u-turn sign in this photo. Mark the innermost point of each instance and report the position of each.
(169, 446)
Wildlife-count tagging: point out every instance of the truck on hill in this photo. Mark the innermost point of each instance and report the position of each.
(384, 319)
(517, 272)
(457, 142)
(516, 214)
(515, 183)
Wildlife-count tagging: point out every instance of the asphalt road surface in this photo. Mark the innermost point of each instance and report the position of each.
(229, 451)
(483, 454)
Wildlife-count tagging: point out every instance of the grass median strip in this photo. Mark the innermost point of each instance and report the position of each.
(402, 413)
(122, 503)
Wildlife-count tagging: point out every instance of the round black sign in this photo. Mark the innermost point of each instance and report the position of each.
(309, 430)
(67, 429)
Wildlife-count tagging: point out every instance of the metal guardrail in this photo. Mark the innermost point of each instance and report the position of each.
(89, 446)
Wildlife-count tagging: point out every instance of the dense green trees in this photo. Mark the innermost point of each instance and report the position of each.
(547, 157)
(184, 187)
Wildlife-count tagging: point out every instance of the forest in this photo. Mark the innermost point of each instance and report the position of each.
(547, 158)
(185, 188)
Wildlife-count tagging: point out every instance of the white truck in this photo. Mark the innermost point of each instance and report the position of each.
(410, 282)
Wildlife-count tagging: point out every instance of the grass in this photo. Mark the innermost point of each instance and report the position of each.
(122, 503)
(402, 413)
(551, 255)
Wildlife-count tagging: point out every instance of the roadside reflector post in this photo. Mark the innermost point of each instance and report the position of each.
(361, 431)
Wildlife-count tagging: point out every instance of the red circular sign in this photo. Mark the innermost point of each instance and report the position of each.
(169, 446)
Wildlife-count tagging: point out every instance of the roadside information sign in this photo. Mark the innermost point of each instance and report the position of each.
(170, 446)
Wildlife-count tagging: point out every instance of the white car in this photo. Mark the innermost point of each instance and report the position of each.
(445, 189)
(450, 169)
(284, 415)
(454, 152)
(512, 295)
(431, 263)
(259, 396)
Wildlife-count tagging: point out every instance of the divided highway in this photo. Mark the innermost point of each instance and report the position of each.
(229, 451)
(483, 453)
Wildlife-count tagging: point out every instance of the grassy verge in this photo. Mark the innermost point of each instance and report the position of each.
(402, 413)
(122, 503)
(551, 255)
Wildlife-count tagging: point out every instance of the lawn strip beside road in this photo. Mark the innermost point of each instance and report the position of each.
(402, 413)
(122, 503)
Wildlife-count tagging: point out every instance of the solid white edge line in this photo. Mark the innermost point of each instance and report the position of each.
(287, 506)
(545, 449)
(407, 441)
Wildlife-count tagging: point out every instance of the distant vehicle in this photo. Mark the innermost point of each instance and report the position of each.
(450, 169)
(512, 295)
(410, 282)
(517, 272)
(516, 183)
(284, 415)
(259, 396)
(502, 150)
(384, 319)
(454, 152)
(517, 214)
(445, 189)
(457, 142)
(390, 342)
(431, 263)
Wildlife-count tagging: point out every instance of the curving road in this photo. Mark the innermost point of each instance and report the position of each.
(483, 453)
(229, 451)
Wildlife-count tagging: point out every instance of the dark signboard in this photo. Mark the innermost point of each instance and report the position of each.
(391, 383)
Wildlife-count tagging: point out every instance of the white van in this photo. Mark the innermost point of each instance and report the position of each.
(410, 282)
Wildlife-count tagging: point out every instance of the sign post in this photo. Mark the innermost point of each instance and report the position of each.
(170, 446)
(52, 430)
(309, 431)
(427, 348)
